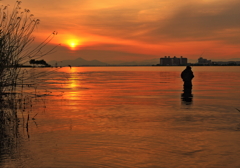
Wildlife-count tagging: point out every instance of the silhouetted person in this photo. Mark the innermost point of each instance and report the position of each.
(187, 76)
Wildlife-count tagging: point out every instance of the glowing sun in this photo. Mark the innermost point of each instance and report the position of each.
(73, 43)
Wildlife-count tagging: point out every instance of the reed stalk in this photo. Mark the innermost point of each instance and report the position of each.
(16, 39)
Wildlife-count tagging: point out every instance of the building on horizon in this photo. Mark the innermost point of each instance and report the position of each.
(168, 61)
(206, 62)
(203, 61)
(226, 63)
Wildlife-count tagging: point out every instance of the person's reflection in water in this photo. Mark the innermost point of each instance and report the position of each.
(187, 98)
(187, 76)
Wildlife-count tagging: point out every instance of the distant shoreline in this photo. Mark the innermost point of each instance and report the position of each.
(126, 66)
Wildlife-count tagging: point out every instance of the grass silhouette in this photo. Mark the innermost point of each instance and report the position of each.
(16, 39)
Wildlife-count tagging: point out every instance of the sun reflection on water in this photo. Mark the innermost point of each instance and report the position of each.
(136, 119)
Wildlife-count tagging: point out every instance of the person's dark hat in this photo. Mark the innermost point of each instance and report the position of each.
(188, 67)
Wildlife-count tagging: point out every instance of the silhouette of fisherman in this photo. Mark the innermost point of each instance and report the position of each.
(187, 76)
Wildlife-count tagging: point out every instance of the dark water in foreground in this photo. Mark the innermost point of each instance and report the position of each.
(130, 117)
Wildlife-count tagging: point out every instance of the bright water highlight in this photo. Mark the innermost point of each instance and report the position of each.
(130, 117)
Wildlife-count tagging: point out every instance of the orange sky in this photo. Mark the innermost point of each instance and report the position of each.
(130, 30)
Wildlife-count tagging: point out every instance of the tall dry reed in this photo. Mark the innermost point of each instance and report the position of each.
(16, 39)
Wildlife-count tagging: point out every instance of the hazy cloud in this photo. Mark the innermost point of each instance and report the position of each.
(153, 26)
(200, 22)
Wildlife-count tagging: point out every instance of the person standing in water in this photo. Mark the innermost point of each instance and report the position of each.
(187, 76)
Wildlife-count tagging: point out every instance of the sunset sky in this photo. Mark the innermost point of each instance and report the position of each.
(128, 30)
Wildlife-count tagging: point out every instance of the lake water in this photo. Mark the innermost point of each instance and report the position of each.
(129, 117)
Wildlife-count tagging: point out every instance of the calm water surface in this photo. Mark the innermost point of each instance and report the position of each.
(130, 117)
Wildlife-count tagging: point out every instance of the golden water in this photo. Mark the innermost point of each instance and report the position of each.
(131, 117)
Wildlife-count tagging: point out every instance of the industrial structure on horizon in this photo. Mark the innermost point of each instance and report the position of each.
(168, 61)
(174, 61)
(203, 61)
